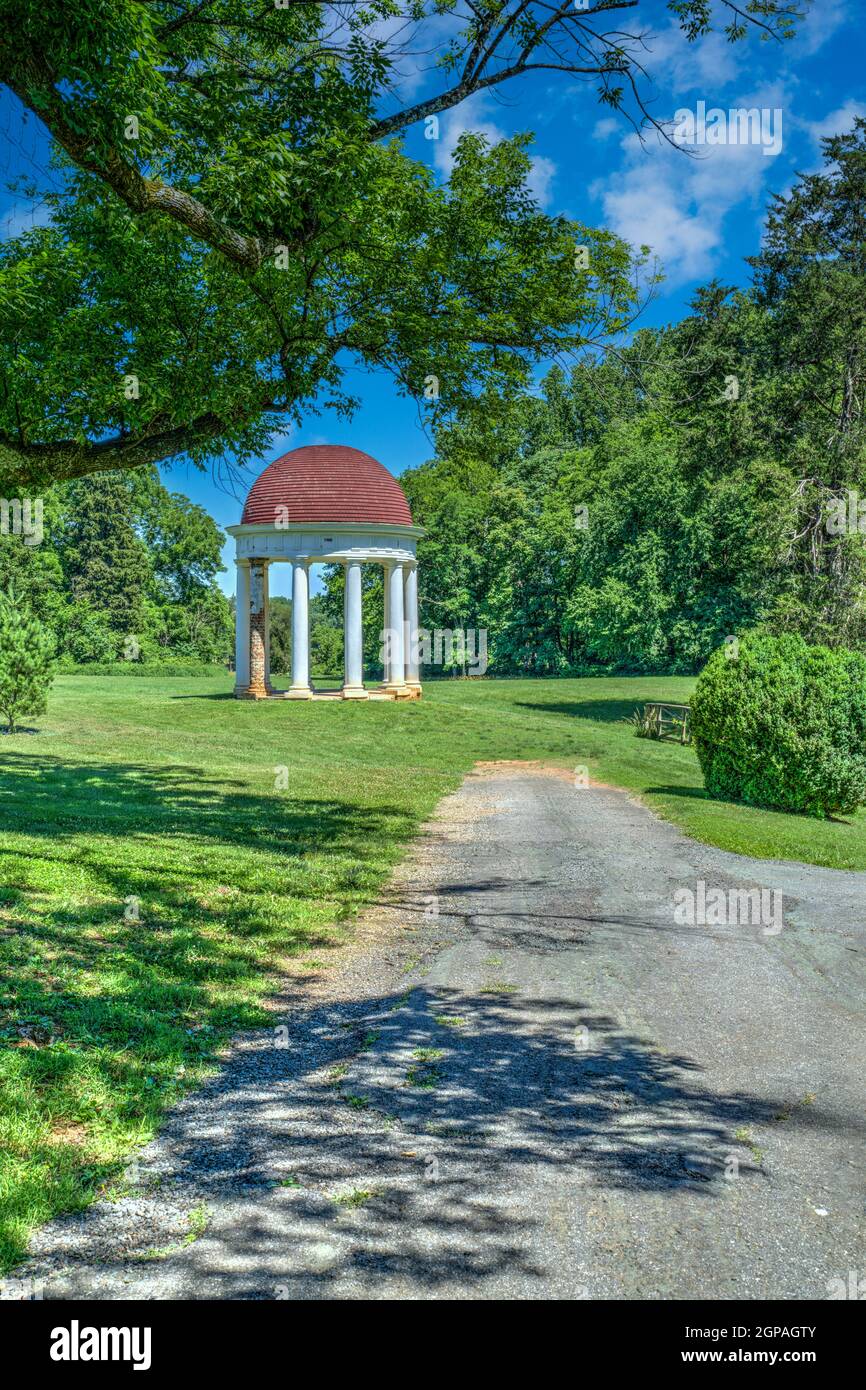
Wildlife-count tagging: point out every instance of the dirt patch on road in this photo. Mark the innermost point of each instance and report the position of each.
(516, 767)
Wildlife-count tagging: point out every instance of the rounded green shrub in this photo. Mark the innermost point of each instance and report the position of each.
(777, 722)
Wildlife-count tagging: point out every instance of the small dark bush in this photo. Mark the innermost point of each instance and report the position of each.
(779, 723)
(645, 725)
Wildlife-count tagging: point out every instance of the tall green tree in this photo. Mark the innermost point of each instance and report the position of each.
(26, 648)
(811, 278)
(34, 572)
(239, 219)
(122, 557)
(105, 561)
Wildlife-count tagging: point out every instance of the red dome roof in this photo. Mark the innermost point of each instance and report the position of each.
(324, 483)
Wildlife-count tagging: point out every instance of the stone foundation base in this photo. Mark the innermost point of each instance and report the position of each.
(402, 692)
(253, 692)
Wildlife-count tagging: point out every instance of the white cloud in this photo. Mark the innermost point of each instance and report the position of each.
(678, 204)
(541, 176)
(711, 62)
(822, 22)
(471, 115)
(607, 126)
(836, 122)
(651, 205)
(454, 123)
(704, 66)
(282, 438)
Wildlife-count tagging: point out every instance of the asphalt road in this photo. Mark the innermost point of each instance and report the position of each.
(527, 1079)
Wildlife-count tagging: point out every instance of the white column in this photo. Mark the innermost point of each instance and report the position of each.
(242, 629)
(396, 673)
(267, 585)
(353, 635)
(410, 628)
(300, 688)
(386, 614)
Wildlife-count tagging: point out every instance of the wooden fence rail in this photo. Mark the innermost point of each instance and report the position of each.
(669, 719)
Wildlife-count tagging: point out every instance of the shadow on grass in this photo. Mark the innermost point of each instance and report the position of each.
(282, 684)
(41, 795)
(694, 794)
(701, 794)
(206, 695)
(601, 711)
(145, 912)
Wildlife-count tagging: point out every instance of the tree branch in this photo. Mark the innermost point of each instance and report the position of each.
(32, 466)
(33, 82)
(31, 76)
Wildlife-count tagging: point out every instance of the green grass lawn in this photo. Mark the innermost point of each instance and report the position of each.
(167, 792)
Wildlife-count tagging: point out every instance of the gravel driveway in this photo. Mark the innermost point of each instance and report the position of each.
(525, 1079)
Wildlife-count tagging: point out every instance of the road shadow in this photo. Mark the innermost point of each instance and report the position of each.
(552, 929)
(423, 1136)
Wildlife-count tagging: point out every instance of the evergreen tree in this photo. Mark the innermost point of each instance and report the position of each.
(25, 662)
(810, 277)
(105, 561)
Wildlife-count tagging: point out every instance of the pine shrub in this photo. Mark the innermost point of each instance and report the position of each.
(26, 649)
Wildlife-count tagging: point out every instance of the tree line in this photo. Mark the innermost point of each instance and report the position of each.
(125, 570)
(645, 503)
(707, 478)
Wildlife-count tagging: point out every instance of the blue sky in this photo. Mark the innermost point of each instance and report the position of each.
(701, 215)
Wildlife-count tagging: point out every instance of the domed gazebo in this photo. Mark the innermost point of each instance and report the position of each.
(326, 504)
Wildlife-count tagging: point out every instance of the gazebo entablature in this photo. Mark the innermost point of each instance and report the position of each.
(327, 545)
